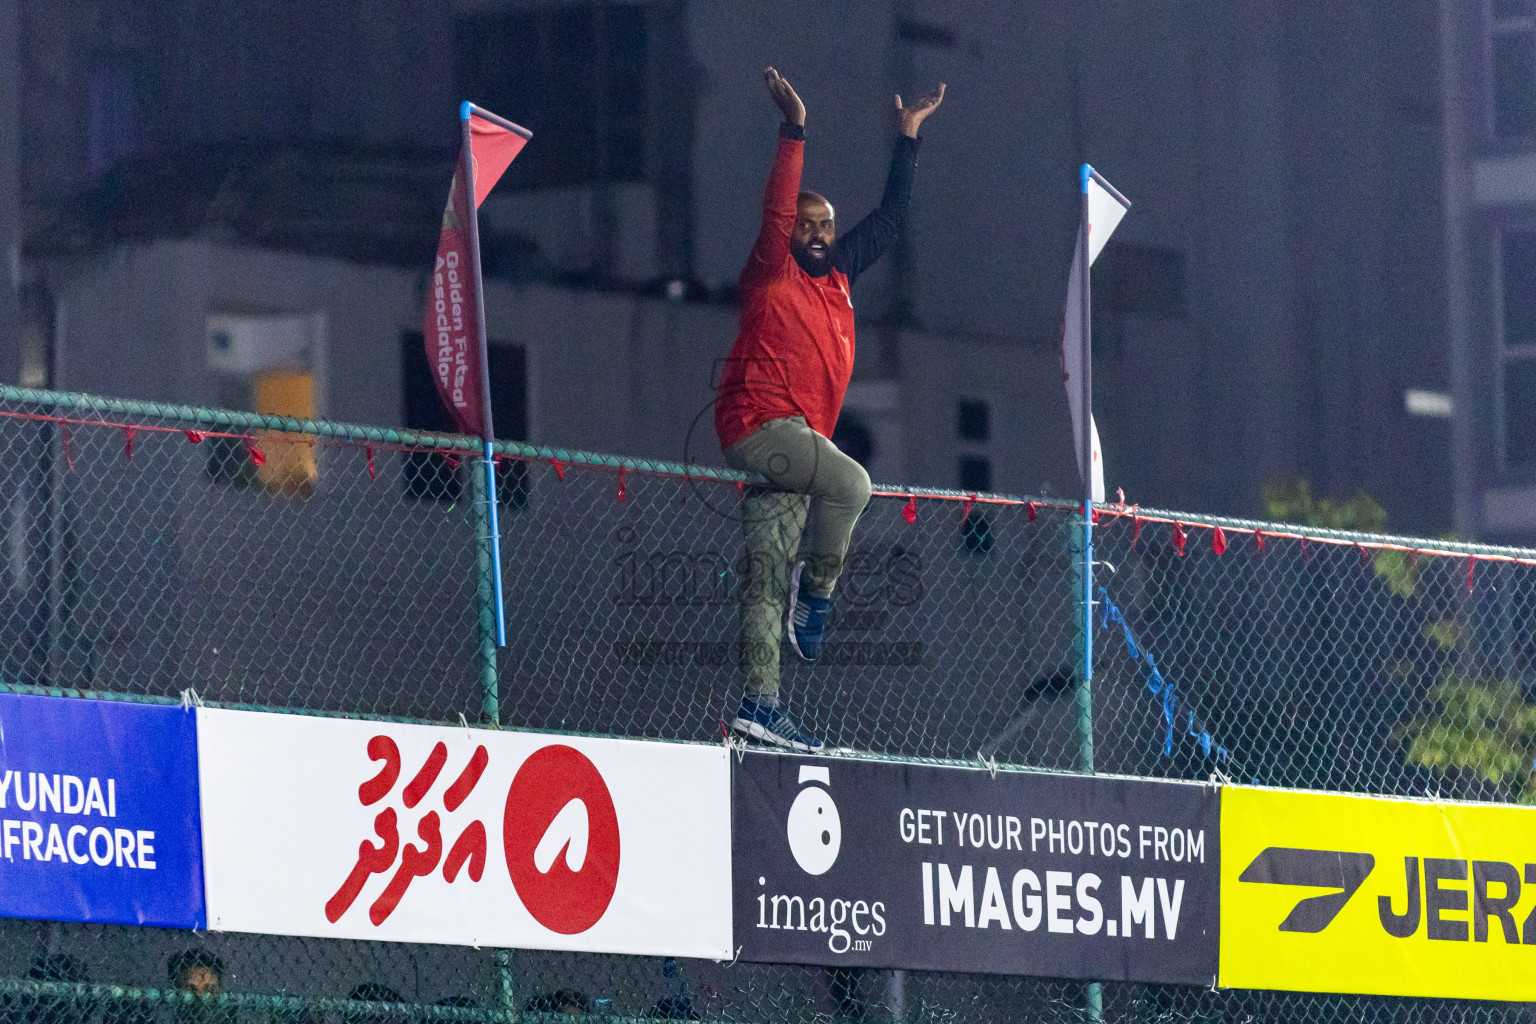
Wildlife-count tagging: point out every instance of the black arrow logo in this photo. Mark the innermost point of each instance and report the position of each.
(1320, 869)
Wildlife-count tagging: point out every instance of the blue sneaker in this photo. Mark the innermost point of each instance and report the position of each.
(807, 617)
(769, 724)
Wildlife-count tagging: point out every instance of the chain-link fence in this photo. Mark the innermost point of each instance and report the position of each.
(312, 567)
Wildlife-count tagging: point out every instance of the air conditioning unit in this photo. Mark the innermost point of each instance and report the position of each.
(250, 344)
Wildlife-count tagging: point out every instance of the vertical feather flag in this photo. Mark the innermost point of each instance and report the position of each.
(453, 321)
(1104, 207)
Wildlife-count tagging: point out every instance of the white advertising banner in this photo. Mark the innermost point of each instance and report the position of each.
(410, 833)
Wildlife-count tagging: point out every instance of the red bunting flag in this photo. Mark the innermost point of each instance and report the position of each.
(909, 510)
(1179, 539)
(1219, 541)
(451, 323)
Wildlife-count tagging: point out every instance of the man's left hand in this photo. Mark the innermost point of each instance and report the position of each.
(910, 118)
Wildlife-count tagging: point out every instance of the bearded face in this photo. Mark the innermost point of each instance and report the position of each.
(815, 230)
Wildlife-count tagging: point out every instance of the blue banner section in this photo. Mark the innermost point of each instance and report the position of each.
(99, 813)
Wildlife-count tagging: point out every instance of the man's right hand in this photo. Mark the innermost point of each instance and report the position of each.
(784, 98)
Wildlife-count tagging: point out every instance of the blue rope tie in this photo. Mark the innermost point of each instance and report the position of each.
(1112, 616)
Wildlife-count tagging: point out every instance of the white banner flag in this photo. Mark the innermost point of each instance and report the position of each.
(412, 833)
(1106, 207)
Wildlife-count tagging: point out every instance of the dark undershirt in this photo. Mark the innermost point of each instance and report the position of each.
(858, 249)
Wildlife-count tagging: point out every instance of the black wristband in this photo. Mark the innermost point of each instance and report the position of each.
(792, 131)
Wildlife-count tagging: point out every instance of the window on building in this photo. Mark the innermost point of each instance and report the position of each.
(1517, 338)
(973, 419)
(1520, 413)
(854, 438)
(264, 363)
(288, 465)
(431, 476)
(975, 473)
(573, 73)
(1512, 50)
(976, 532)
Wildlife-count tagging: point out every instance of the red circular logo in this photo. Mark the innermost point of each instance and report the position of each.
(561, 835)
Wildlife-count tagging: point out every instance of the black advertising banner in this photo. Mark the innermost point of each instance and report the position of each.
(879, 864)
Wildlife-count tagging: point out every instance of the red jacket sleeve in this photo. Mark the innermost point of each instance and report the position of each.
(771, 252)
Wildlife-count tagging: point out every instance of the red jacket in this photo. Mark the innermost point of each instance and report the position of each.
(794, 353)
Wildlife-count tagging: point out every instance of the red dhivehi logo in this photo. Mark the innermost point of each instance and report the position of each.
(561, 835)
(414, 859)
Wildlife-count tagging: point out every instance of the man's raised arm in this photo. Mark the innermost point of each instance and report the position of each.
(870, 237)
(771, 251)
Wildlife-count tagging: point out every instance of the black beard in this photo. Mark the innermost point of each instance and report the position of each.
(816, 266)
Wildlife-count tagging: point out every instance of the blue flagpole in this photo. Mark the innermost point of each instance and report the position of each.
(1095, 991)
(488, 433)
(495, 529)
(1085, 430)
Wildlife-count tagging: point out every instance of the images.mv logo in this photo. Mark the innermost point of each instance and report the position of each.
(815, 830)
(815, 833)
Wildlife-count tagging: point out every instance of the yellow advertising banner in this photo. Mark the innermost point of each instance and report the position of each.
(1328, 893)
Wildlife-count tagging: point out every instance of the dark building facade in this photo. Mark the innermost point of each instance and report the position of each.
(1274, 293)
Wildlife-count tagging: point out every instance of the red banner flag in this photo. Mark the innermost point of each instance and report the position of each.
(496, 144)
(451, 324)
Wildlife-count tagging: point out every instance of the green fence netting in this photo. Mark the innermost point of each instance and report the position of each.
(154, 552)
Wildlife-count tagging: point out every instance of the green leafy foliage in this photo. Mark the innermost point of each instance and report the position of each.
(1485, 729)
(1397, 571)
(1290, 500)
(1444, 634)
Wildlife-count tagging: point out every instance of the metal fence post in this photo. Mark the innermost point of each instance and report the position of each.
(485, 590)
(1083, 583)
(481, 476)
(506, 996)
